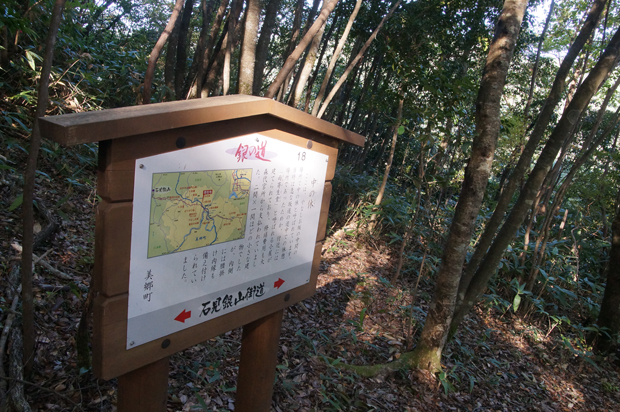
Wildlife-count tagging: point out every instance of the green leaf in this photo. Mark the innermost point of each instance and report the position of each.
(200, 400)
(472, 382)
(401, 130)
(30, 59)
(16, 203)
(516, 302)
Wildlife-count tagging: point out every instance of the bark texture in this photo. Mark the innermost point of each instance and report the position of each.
(28, 195)
(154, 56)
(248, 50)
(435, 332)
(356, 60)
(206, 59)
(388, 167)
(262, 47)
(296, 54)
(564, 128)
(181, 58)
(334, 59)
(555, 94)
(206, 9)
(609, 316)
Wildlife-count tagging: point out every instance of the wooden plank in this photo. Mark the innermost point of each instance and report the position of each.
(111, 359)
(116, 174)
(144, 389)
(88, 127)
(112, 248)
(327, 195)
(257, 366)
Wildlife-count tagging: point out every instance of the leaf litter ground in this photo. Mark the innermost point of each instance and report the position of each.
(496, 363)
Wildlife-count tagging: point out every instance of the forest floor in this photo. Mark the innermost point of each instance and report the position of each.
(498, 361)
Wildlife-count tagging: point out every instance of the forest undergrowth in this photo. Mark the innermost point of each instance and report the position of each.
(499, 360)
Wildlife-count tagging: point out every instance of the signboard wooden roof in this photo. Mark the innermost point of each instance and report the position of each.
(109, 124)
(145, 153)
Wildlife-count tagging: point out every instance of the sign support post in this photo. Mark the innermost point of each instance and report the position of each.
(212, 216)
(144, 389)
(257, 369)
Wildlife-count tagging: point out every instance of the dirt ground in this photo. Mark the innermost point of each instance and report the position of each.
(497, 362)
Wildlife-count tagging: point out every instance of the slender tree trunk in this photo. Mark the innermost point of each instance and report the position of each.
(525, 160)
(388, 167)
(28, 195)
(294, 56)
(150, 71)
(233, 20)
(609, 316)
(526, 111)
(308, 65)
(248, 51)
(206, 7)
(335, 56)
(564, 127)
(318, 66)
(169, 64)
(181, 63)
(356, 60)
(295, 33)
(227, 54)
(206, 60)
(427, 354)
(262, 47)
(213, 82)
(588, 149)
(589, 145)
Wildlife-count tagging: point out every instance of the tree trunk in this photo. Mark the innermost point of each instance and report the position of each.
(229, 44)
(169, 64)
(386, 173)
(150, 71)
(181, 63)
(435, 332)
(295, 32)
(530, 148)
(609, 316)
(206, 60)
(308, 64)
(528, 103)
(317, 69)
(28, 195)
(206, 7)
(336, 55)
(564, 127)
(294, 56)
(233, 20)
(262, 47)
(359, 56)
(248, 51)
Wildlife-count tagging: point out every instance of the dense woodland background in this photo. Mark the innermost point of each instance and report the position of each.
(473, 251)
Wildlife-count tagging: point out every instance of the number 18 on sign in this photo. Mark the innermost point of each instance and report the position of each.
(219, 227)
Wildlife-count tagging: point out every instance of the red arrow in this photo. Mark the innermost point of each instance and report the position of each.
(278, 283)
(183, 316)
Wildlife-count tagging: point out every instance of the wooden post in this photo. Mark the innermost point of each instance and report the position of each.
(257, 369)
(144, 389)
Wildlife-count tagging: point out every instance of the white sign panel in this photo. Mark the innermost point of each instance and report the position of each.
(219, 227)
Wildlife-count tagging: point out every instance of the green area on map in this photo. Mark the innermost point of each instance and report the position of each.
(196, 209)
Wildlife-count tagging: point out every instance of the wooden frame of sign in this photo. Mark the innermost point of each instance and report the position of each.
(127, 135)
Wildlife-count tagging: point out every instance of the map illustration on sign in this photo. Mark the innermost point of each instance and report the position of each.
(219, 227)
(190, 210)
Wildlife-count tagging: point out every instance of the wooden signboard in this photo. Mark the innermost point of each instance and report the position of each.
(212, 217)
